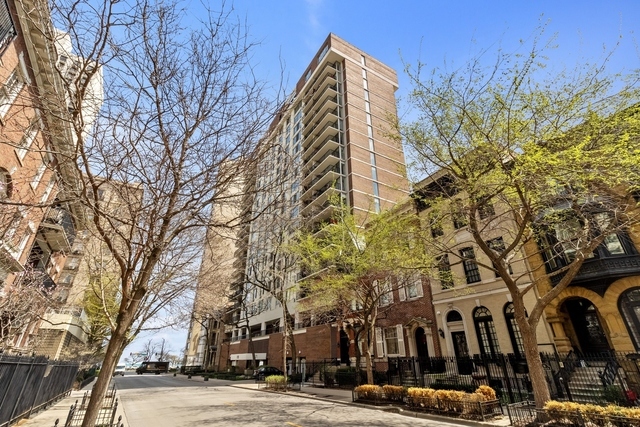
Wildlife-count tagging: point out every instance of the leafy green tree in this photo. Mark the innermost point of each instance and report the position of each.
(550, 155)
(353, 263)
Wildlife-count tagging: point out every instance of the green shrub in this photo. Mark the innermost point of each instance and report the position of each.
(276, 381)
(614, 394)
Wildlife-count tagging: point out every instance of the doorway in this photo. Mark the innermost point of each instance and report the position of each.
(344, 347)
(421, 343)
(589, 333)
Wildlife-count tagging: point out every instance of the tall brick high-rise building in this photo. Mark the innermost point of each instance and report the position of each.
(331, 139)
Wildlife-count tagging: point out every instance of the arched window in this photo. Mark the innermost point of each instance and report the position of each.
(486, 331)
(454, 316)
(629, 304)
(514, 330)
(5, 184)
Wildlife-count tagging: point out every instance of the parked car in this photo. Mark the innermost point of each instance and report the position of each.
(265, 371)
(153, 368)
(119, 370)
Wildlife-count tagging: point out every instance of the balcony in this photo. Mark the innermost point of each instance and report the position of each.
(328, 104)
(39, 278)
(329, 159)
(320, 197)
(327, 176)
(603, 271)
(331, 117)
(57, 227)
(330, 144)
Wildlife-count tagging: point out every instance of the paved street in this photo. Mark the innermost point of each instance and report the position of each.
(160, 401)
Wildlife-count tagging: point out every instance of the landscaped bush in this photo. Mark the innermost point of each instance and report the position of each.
(276, 381)
(438, 385)
(487, 392)
(571, 412)
(369, 391)
(394, 392)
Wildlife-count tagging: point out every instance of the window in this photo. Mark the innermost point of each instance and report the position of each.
(38, 176)
(386, 292)
(444, 272)
(471, 270)
(7, 30)
(28, 138)
(629, 303)
(486, 210)
(514, 330)
(391, 340)
(486, 331)
(6, 187)
(436, 225)
(9, 92)
(459, 218)
(412, 288)
(498, 246)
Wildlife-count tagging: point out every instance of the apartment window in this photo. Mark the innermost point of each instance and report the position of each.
(323, 52)
(412, 288)
(385, 290)
(6, 187)
(28, 138)
(9, 92)
(38, 176)
(486, 332)
(444, 272)
(486, 210)
(7, 30)
(459, 218)
(498, 246)
(436, 225)
(471, 270)
(391, 340)
(514, 330)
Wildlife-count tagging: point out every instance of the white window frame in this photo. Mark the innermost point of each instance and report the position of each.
(10, 90)
(381, 341)
(29, 136)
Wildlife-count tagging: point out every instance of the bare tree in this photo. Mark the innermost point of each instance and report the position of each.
(180, 101)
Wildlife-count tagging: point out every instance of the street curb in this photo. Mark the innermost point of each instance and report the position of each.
(391, 408)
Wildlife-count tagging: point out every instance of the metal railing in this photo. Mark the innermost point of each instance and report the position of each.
(28, 384)
(586, 378)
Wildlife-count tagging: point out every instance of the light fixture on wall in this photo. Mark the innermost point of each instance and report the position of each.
(441, 332)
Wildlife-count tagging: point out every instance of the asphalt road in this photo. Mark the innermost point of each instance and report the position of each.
(167, 401)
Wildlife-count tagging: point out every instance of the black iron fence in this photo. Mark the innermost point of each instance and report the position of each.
(332, 373)
(106, 415)
(30, 383)
(586, 378)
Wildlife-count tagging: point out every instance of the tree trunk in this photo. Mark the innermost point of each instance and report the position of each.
(536, 370)
(114, 350)
(366, 330)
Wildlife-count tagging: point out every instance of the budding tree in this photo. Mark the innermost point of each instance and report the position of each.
(544, 159)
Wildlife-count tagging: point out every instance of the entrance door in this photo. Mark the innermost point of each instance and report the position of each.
(465, 366)
(586, 324)
(421, 344)
(344, 347)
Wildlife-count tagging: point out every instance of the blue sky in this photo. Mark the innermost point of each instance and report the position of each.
(433, 31)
